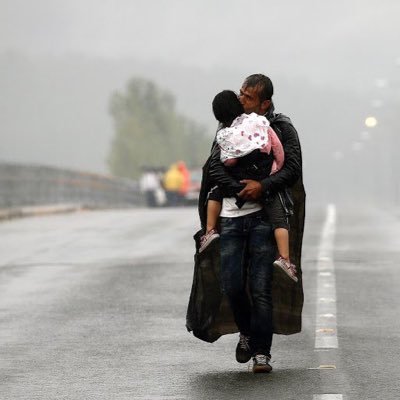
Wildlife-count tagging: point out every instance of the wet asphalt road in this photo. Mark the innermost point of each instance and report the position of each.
(92, 306)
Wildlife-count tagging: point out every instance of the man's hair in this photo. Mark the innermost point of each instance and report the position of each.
(263, 83)
(226, 107)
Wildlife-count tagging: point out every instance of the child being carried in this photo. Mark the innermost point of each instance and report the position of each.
(248, 136)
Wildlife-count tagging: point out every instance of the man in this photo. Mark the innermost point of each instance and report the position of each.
(246, 238)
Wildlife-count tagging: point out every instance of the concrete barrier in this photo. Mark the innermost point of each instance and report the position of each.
(27, 189)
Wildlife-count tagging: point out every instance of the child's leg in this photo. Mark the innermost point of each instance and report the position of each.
(282, 242)
(282, 265)
(213, 211)
(279, 221)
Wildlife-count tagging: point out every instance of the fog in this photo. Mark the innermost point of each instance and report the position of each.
(333, 64)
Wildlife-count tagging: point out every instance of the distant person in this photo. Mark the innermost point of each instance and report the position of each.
(186, 180)
(242, 135)
(173, 181)
(150, 185)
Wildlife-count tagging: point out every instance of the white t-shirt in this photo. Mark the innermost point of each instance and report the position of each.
(231, 210)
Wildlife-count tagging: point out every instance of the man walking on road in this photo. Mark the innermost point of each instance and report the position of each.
(246, 237)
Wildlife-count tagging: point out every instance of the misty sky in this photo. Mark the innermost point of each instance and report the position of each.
(316, 35)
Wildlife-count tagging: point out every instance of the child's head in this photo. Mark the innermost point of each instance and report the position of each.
(226, 107)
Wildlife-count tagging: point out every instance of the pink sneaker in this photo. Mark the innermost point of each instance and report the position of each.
(207, 239)
(283, 265)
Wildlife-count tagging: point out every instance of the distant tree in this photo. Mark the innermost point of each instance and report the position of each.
(149, 131)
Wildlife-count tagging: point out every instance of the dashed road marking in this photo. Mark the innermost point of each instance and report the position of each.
(325, 366)
(325, 333)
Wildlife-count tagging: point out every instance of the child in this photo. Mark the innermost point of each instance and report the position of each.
(242, 136)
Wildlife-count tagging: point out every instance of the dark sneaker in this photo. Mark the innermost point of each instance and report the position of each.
(285, 269)
(261, 364)
(207, 239)
(243, 351)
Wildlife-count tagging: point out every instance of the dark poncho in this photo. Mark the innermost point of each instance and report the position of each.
(208, 314)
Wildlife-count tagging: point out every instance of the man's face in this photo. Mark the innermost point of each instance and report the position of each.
(249, 97)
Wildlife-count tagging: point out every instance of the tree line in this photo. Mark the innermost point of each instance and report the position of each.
(149, 132)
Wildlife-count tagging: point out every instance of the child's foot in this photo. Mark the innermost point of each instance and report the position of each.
(207, 238)
(283, 265)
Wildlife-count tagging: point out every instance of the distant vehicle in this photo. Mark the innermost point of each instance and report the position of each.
(155, 195)
(192, 195)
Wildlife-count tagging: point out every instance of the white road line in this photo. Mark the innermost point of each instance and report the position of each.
(327, 397)
(326, 329)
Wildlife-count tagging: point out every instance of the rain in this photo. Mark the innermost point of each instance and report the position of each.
(94, 95)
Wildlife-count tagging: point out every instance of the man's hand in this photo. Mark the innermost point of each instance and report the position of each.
(252, 190)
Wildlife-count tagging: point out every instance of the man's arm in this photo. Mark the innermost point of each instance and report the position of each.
(217, 172)
(292, 167)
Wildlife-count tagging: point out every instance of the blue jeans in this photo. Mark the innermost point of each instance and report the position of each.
(247, 253)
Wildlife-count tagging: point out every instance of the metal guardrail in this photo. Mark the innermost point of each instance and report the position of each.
(33, 185)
